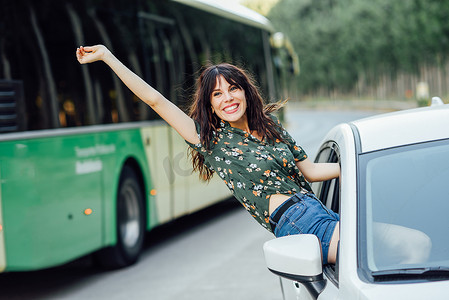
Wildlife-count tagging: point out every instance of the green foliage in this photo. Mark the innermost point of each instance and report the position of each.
(341, 41)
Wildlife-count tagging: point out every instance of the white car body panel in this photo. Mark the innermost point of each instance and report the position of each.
(409, 126)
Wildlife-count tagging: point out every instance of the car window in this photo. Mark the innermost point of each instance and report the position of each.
(404, 191)
(328, 191)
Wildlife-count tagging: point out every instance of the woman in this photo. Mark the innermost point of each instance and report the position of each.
(231, 133)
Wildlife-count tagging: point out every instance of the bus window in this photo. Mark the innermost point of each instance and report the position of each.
(22, 59)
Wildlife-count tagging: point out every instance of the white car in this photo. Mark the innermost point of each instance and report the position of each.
(394, 174)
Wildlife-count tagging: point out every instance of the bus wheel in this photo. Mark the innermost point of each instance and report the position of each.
(130, 228)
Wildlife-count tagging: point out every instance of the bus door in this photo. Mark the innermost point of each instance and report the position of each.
(164, 63)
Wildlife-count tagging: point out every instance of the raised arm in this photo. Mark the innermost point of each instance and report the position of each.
(174, 116)
(318, 171)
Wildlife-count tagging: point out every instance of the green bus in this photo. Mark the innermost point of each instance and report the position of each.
(85, 166)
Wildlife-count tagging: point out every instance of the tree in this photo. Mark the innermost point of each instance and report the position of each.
(343, 42)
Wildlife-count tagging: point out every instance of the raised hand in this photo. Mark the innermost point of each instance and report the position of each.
(174, 116)
(90, 54)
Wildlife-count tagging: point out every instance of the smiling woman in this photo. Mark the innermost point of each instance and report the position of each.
(232, 132)
(256, 157)
(229, 103)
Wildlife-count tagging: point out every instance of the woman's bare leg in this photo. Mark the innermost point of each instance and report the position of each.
(333, 246)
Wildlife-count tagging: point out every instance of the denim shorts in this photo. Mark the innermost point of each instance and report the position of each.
(307, 215)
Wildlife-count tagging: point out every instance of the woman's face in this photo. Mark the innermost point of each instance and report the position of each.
(229, 103)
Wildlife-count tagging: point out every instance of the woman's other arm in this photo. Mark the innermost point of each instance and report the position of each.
(174, 116)
(318, 171)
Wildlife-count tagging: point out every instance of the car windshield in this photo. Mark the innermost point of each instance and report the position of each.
(403, 209)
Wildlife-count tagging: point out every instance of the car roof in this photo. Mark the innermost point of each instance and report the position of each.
(403, 127)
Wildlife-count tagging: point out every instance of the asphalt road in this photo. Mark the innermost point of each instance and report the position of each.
(214, 254)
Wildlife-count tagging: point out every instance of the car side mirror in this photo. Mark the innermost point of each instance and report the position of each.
(298, 258)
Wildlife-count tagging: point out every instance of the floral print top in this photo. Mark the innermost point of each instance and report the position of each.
(253, 170)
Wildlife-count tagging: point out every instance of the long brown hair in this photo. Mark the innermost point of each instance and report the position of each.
(256, 111)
